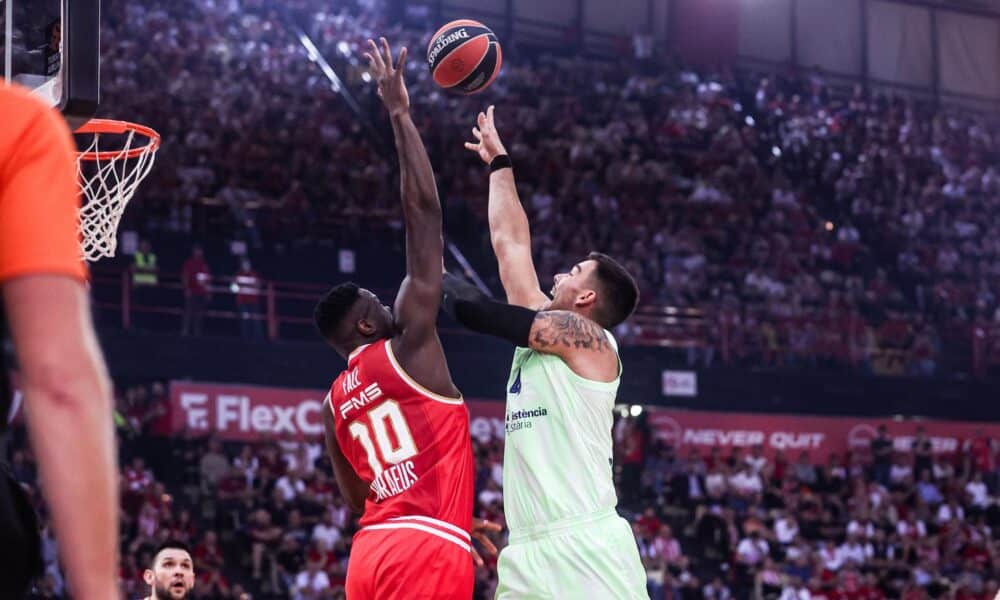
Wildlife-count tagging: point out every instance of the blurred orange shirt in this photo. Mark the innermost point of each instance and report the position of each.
(39, 193)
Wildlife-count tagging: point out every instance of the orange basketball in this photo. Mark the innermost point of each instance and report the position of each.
(465, 56)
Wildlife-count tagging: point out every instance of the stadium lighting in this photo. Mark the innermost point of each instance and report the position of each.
(343, 48)
(775, 151)
(749, 121)
(366, 77)
(828, 225)
(635, 410)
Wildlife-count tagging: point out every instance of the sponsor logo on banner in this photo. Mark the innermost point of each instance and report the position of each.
(680, 383)
(819, 436)
(245, 412)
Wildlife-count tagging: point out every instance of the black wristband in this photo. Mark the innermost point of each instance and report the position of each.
(500, 162)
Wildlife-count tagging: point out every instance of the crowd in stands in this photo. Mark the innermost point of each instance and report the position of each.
(817, 227)
(884, 522)
(265, 518)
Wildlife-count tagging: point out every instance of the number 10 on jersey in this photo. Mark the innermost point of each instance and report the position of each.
(392, 449)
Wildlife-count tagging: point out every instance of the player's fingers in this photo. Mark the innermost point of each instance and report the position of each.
(481, 120)
(388, 52)
(402, 59)
(491, 526)
(478, 134)
(478, 560)
(487, 544)
(471, 146)
(489, 115)
(376, 55)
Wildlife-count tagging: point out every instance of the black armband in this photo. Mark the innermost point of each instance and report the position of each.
(501, 162)
(476, 311)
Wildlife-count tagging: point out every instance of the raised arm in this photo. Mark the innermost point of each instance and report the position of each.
(581, 343)
(509, 229)
(417, 346)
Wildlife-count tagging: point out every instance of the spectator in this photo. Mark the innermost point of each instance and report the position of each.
(757, 461)
(854, 552)
(312, 584)
(786, 529)
(923, 458)
(144, 267)
(264, 536)
(881, 448)
(911, 528)
(804, 470)
(927, 490)
(213, 465)
(248, 463)
(716, 590)
(950, 512)
(746, 483)
(795, 589)
(289, 560)
(901, 472)
(326, 533)
(977, 492)
(688, 487)
(248, 287)
(290, 485)
(491, 494)
(197, 279)
(667, 547)
(752, 550)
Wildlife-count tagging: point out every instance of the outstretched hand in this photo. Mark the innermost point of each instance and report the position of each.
(480, 529)
(488, 145)
(389, 78)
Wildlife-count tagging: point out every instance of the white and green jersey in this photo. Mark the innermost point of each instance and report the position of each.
(558, 448)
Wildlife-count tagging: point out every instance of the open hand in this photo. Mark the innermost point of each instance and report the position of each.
(488, 145)
(480, 529)
(389, 78)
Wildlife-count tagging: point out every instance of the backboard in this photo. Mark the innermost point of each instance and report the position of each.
(53, 48)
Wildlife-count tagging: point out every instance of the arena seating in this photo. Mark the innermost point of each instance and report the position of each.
(812, 225)
(258, 514)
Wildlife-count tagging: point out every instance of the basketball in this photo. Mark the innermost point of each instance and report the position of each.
(464, 56)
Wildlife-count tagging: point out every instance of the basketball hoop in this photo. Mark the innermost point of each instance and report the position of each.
(109, 178)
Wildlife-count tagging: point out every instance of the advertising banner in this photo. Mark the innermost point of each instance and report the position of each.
(245, 413)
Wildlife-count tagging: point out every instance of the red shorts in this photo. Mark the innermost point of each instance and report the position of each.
(410, 558)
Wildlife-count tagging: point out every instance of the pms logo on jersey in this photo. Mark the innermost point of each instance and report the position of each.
(367, 395)
(515, 388)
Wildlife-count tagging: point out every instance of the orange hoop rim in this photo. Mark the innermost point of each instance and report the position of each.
(110, 126)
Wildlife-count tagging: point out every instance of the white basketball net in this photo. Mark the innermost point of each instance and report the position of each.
(108, 182)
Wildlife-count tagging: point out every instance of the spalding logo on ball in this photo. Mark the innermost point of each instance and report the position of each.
(464, 56)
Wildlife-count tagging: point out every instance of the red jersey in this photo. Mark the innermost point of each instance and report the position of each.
(410, 445)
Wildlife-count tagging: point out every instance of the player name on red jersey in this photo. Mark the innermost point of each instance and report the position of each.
(394, 480)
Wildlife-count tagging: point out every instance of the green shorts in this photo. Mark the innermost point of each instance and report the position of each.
(593, 557)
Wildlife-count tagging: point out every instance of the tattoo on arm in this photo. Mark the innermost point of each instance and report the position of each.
(563, 329)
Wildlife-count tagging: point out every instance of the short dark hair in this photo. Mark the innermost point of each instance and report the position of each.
(170, 544)
(333, 307)
(619, 293)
